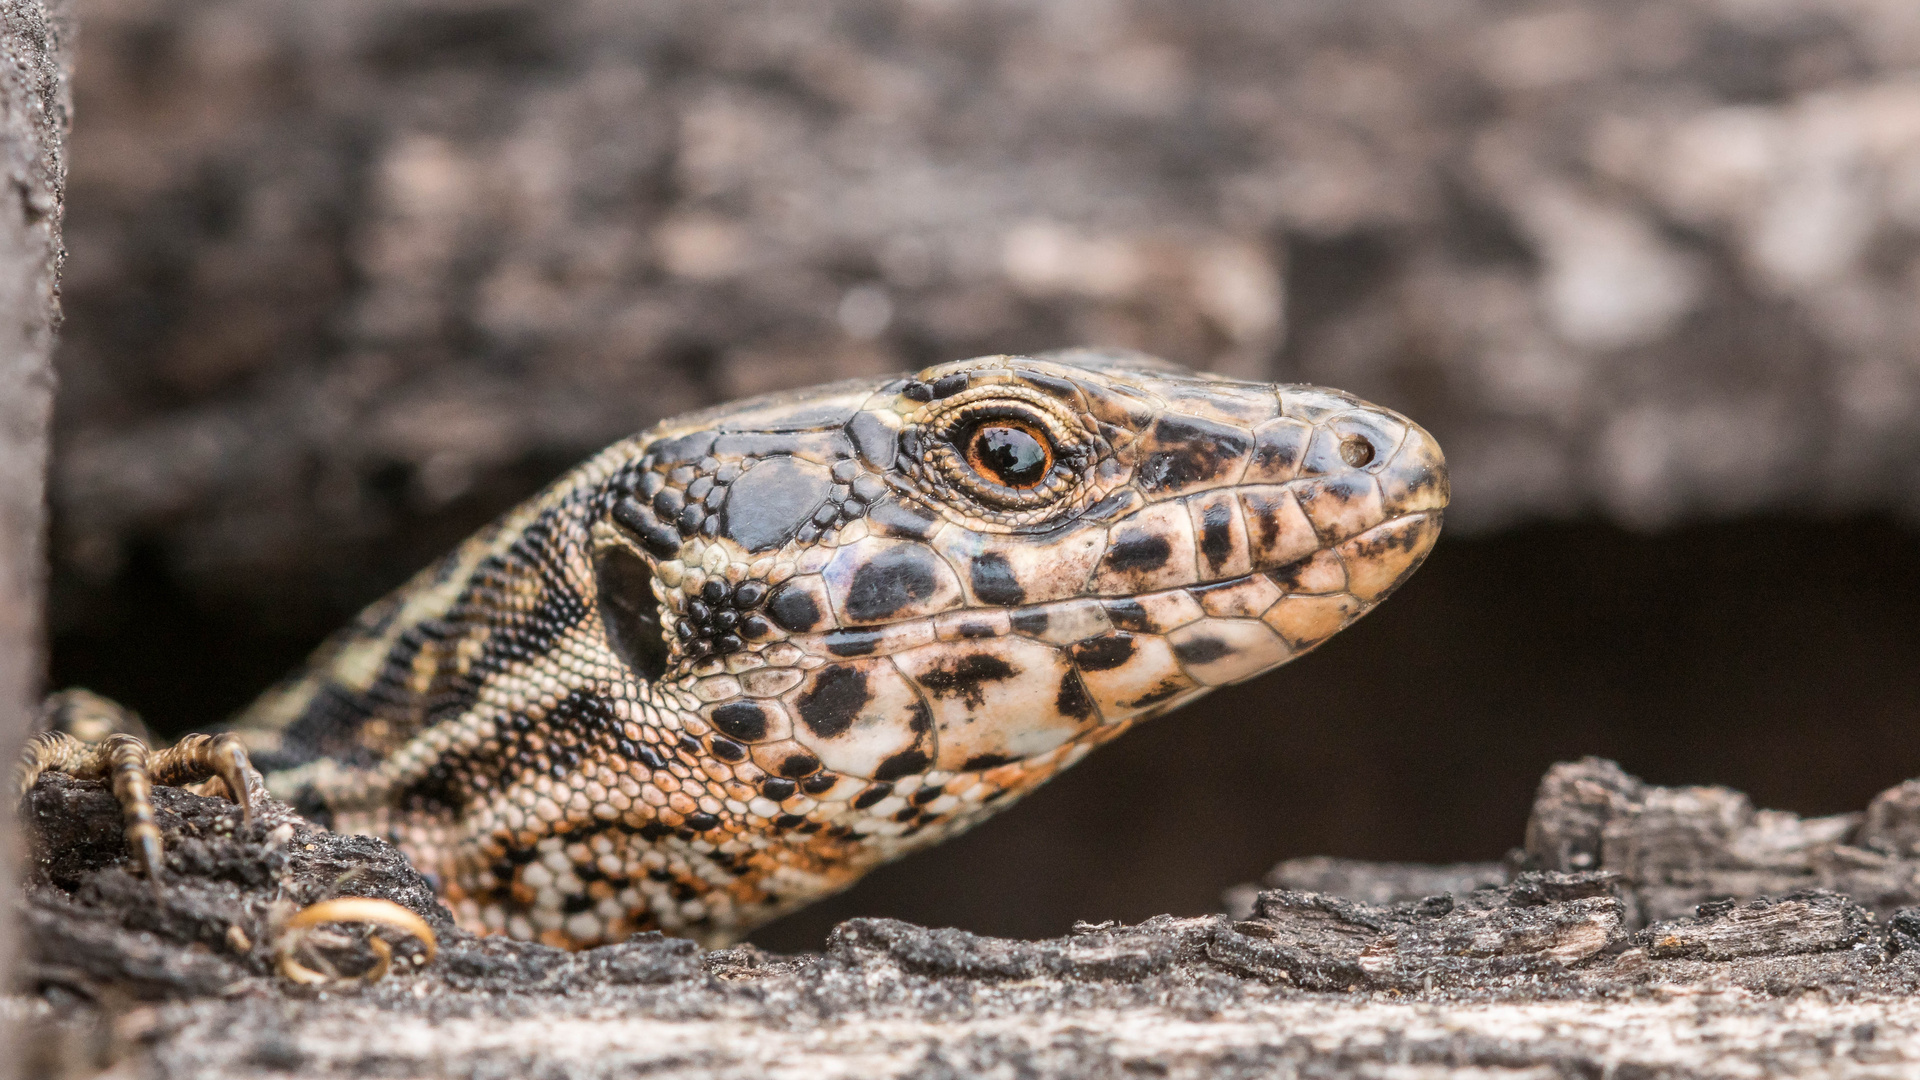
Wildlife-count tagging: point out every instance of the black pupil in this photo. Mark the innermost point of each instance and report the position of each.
(1016, 458)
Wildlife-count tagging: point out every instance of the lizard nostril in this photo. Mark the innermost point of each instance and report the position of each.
(1356, 451)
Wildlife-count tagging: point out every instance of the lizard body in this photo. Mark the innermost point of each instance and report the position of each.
(729, 665)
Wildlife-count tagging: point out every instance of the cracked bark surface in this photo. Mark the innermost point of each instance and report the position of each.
(1527, 968)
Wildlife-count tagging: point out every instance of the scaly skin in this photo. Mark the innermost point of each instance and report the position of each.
(729, 665)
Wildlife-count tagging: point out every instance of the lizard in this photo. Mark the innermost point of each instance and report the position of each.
(727, 666)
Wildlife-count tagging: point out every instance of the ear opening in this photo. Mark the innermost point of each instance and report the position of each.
(630, 612)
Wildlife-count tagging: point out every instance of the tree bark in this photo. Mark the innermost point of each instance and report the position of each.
(35, 39)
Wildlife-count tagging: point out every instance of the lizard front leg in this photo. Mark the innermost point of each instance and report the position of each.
(121, 756)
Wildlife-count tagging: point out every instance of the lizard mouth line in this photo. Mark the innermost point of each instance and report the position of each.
(1399, 544)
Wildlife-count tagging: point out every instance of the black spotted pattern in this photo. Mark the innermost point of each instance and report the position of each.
(994, 581)
(904, 763)
(1128, 614)
(722, 618)
(795, 766)
(892, 582)
(835, 699)
(1072, 698)
(1216, 535)
(1138, 549)
(853, 642)
(793, 608)
(1189, 450)
(742, 720)
(1201, 650)
(1103, 653)
(961, 676)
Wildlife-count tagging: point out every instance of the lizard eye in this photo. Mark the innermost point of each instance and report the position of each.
(1009, 452)
(1001, 454)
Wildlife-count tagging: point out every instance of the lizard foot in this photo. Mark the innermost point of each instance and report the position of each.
(110, 745)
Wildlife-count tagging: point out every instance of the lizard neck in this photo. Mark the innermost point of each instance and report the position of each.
(424, 652)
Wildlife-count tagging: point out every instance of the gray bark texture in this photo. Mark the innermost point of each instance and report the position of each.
(350, 276)
(34, 63)
(1577, 957)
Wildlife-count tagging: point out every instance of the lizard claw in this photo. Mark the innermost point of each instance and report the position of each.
(123, 760)
(350, 909)
(198, 757)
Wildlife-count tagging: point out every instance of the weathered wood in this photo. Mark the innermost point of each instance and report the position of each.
(1521, 972)
(1804, 922)
(1677, 848)
(1367, 882)
(34, 65)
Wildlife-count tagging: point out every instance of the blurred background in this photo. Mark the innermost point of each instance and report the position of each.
(346, 278)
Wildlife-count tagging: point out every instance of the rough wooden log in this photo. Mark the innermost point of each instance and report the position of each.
(1678, 848)
(1376, 883)
(34, 66)
(1726, 930)
(1514, 971)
